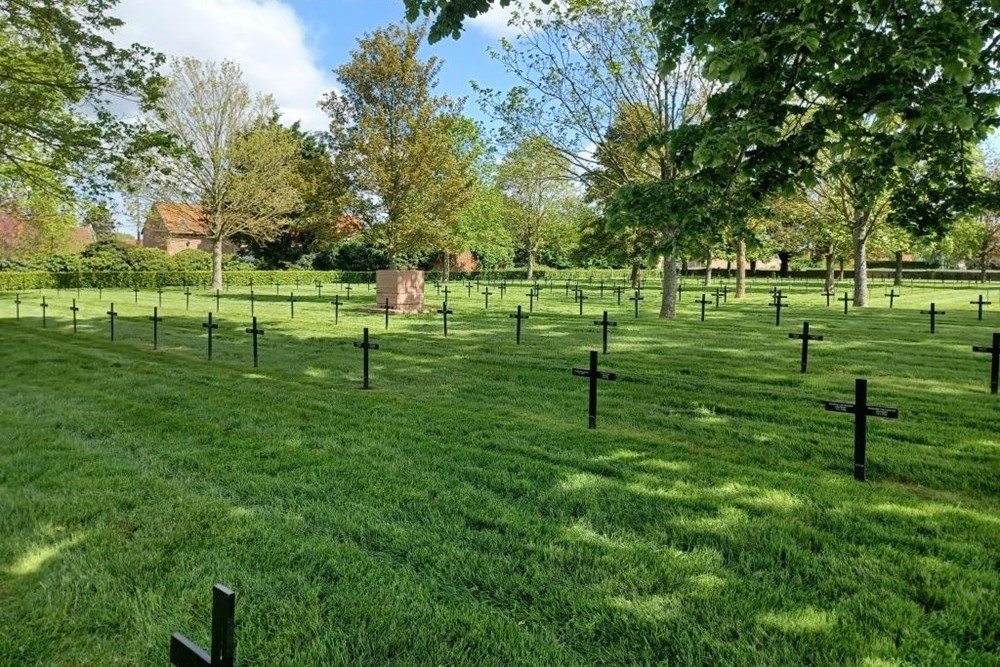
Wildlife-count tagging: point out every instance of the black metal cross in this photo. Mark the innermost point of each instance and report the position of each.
(159, 296)
(74, 309)
(618, 293)
(319, 289)
(446, 291)
(518, 316)
(604, 337)
(933, 312)
(100, 293)
(216, 300)
(602, 288)
(17, 306)
(503, 288)
(718, 296)
(187, 298)
(468, 288)
(348, 289)
(580, 297)
(636, 299)
(336, 303)
(256, 331)
(253, 302)
(291, 303)
(725, 294)
(994, 352)
(487, 293)
(211, 326)
(981, 303)
(156, 319)
(845, 300)
(185, 653)
(136, 290)
(680, 288)
(861, 411)
(893, 295)
(805, 337)
(445, 312)
(386, 307)
(277, 287)
(437, 286)
(703, 301)
(366, 345)
(531, 300)
(45, 307)
(567, 290)
(829, 294)
(113, 315)
(778, 303)
(594, 374)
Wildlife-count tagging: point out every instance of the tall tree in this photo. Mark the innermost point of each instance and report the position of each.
(235, 160)
(591, 83)
(534, 177)
(393, 142)
(891, 94)
(60, 77)
(450, 14)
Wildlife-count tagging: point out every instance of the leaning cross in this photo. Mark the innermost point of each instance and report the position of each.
(256, 331)
(156, 319)
(933, 312)
(805, 337)
(994, 352)
(445, 312)
(604, 323)
(211, 326)
(185, 653)
(518, 316)
(980, 303)
(594, 376)
(366, 345)
(861, 411)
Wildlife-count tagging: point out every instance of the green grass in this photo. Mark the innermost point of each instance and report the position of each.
(461, 513)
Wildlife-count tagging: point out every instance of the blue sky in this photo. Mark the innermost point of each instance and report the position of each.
(289, 48)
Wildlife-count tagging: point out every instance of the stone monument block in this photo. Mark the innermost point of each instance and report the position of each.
(403, 289)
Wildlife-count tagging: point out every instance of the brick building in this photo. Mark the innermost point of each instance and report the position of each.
(176, 227)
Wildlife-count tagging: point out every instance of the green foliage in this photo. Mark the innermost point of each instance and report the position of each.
(895, 93)
(61, 72)
(450, 14)
(395, 143)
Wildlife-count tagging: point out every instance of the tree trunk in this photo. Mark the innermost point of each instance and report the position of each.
(830, 284)
(668, 305)
(636, 275)
(217, 262)
(531, 264)
(684, 267)
(860, 265)
(708, 269)
(392, 258)
(841, 277)
(446, 266)
(784, 256)
(982, 269)
(741, 269)
(898, 279)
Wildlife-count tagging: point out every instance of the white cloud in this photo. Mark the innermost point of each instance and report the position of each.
(494, 23)
(265, 37)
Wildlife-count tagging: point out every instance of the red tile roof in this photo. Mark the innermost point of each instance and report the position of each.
(186, 219)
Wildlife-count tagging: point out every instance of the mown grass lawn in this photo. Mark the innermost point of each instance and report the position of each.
(461, 513)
